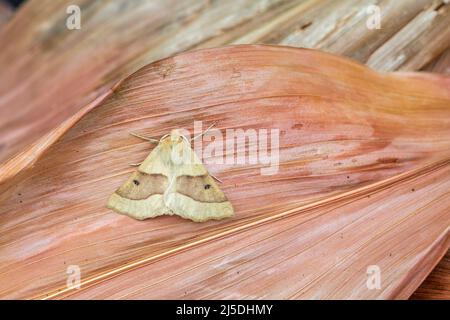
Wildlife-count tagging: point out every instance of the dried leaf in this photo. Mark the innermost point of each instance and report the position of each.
(345, 132)
(49, 72)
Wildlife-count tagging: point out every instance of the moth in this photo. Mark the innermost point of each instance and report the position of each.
(171, 180)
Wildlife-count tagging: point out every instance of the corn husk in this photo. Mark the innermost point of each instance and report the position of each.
(49, 72)
(363, 177)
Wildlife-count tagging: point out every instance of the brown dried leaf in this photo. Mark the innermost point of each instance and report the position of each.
(346, 131)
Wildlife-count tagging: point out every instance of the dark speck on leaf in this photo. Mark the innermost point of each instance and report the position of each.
(136, 182)
(207, 186)
(305, 26)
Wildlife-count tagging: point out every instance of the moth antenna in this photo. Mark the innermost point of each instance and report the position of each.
(186, 139)
(135, 164)
(216, 178)
(204, 132)
(164, 136)
(144, 138)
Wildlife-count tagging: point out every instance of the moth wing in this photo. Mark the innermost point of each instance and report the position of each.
(199, 199)
(142, 195)
(138, 209)
(194, 194)
(158, 161)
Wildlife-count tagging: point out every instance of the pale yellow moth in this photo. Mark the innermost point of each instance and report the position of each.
(171, 180)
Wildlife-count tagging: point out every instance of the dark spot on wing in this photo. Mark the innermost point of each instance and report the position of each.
(200, 188)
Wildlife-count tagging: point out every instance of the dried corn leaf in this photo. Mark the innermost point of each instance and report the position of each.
(6, 12)
(345, 132)
(321, 251)
(50, 72)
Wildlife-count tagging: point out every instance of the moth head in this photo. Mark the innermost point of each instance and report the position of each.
(177, 137)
